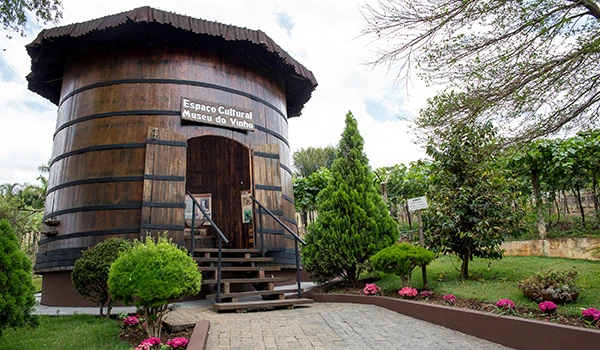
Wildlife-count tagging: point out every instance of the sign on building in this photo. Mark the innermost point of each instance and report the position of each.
(216, 114)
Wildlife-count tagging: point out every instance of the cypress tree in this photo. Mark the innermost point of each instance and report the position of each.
(353, 222)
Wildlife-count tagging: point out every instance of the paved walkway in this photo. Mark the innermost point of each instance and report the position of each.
(326, 326)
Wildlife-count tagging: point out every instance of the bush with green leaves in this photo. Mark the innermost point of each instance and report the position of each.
(401, 260)
(353, 221)
(558, 285)
(16, 288)
(90, 272)
(151, 275)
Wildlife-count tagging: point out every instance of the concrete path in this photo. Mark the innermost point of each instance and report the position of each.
(325, 326)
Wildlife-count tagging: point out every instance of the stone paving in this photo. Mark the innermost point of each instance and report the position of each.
(325, 326)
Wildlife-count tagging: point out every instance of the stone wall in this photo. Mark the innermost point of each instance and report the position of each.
(575, 248)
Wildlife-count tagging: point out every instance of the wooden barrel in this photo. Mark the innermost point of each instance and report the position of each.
(111, 101)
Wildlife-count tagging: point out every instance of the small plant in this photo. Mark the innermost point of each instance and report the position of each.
(401, 260)
(425, 294)
(449, 298)
(149, 344)
(177, 343)
(131, 320)
(371, 289)
(408, 292)
(505, 307)
(558, 286)
(590, 315)
(547, 307)
(90, 272)
(151, 275)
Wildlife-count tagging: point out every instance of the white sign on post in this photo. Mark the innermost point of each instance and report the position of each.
(417, 203)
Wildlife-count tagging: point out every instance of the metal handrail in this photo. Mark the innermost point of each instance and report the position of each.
(221, 239)
(294, 235)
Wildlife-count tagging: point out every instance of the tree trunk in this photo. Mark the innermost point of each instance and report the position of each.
(577, 194)
(566, 201)
(304, 217)
(539, 204)
(595, 193)
(464, 269)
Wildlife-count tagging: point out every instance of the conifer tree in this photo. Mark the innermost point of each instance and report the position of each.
(353, 222)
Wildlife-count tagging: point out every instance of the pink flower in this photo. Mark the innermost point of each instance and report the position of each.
(591, 313)
(449, 298)
(371, 289)
(426, 294)
(151, 341)
(177, 343)
(408, 292)
(131, 320)
(547, 306)
(505, 304)
(144, 346)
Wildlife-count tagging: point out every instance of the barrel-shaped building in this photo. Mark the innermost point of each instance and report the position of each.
(151, 106)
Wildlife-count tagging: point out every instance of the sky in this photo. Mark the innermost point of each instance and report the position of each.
(325, 36)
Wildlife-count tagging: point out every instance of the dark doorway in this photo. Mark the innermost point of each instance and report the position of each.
(219, 168)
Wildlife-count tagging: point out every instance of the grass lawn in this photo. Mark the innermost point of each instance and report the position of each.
(79, 332)
(492, 280)
(37, 283)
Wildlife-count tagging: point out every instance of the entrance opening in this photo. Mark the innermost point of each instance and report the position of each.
(218, 174)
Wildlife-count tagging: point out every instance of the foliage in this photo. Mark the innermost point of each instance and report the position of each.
(81, 332)
(306, 192)
(150, 275)
(401, 259)
(530, 65)
(309, 160)
(16, 289)
(353, 222)
(473, 203)
(14, 15)
(558, 284)
(90, 272)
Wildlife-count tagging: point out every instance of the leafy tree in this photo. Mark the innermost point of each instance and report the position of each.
(401, 259)
(532, 64)
(14, 14)
(310, 160)
(306, 192)
(90, 272)
(16, 288)
(150, 275)
(353, 222)
(473, 204)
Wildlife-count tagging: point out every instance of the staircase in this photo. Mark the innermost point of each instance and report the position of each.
(244, 273)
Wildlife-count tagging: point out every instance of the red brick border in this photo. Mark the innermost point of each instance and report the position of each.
(514, 332)
(199, 336)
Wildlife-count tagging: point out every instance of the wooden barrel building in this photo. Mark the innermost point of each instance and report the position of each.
(151, 105)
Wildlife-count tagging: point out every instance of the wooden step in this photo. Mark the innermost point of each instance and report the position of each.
(248, 280)
(264, 304)
(252, 293)
(227, 250)
(240, 268)
(231, 260)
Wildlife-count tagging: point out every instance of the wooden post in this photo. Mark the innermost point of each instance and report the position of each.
(422, 244)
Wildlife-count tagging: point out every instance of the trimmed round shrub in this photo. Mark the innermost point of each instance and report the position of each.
(151, 275)
(16, 287)
(90, 272)
(401, 260)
